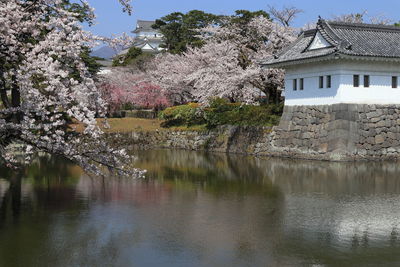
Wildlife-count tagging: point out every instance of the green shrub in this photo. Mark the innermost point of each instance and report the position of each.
(182, 115)
(221, 112)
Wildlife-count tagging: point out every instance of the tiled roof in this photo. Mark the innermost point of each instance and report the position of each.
(347, 39)
(144, 25)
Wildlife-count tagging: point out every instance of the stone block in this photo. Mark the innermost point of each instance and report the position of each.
(379, 139)
(371, 115)
(370, 140)
(381, 124)
(386, 144)
(375, 119)
(372, 132)
(392, 135)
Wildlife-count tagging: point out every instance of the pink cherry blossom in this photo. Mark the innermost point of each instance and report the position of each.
(124, 87)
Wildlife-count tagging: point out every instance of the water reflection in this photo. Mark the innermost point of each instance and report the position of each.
(198, 209)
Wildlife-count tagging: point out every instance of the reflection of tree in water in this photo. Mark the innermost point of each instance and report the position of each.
(48, 182)
(233, 203)
(214, 173)
(258, 211)
(332, 211)
(31, 199)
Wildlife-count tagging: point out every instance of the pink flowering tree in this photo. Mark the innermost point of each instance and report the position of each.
(44, 84)
(122, 87)
(150, 95)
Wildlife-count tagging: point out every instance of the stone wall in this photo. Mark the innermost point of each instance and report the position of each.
(338, 132)
(379, 131)
(226, 139)
(341, 132)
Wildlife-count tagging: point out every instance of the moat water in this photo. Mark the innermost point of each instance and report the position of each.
(198, 209)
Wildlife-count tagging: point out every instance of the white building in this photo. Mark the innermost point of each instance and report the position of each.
(342, 63)
(148, 39)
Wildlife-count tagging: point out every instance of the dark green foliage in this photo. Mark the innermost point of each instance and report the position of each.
(221, 112)
(90, 62)
(244, 16)
(128, 58)
(141, 61)
(135, 58)
(179, 29)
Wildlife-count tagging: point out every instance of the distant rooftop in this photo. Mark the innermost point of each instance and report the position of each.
(341, 39)
(144, 25)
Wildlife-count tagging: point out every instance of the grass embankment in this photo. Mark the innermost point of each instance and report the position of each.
(194, 117)
(221, 112)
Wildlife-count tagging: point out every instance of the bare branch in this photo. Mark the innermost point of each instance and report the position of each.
(380, 19)
(351, 18)
(362, 18)
(285, 16)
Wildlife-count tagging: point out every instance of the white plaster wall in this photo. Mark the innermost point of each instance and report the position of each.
(149, 34)
(342, 90)
(312, 94)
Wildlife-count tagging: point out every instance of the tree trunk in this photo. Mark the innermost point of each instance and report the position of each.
(4, 97)
(16, 101)
(3, 91)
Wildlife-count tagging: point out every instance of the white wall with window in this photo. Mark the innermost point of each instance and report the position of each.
(149, 34)
(326, 83)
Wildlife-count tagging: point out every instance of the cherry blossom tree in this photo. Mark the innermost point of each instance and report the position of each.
(227, 65)
(44, 85)
(150, 95)
(122, 86)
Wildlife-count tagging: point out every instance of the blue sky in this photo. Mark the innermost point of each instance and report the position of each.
(112, 20)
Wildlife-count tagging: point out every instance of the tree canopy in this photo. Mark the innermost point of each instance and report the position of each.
(45, 85)
(180, 30)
